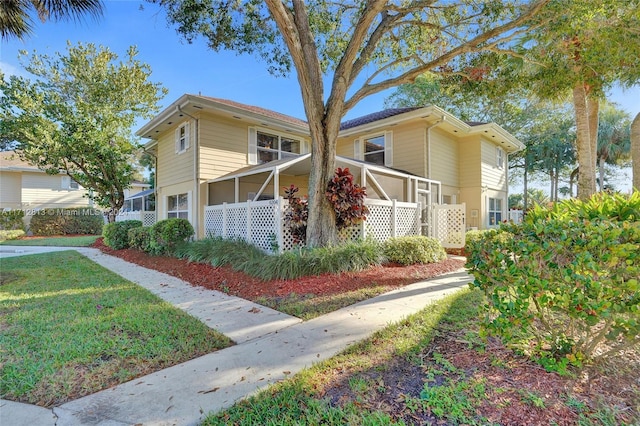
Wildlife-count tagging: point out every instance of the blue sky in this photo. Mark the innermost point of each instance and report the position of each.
(192, 68)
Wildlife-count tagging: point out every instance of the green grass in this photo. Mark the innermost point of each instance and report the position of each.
(77, 241)
(307, 307)
(300, 400)
(69, 327)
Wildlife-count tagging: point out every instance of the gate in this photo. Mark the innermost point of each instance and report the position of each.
(449, 224)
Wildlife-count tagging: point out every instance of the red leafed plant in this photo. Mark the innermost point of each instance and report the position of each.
(295, 218)
(346, 197)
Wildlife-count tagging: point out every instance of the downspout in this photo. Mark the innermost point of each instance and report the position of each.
(427, 150)
(155, 180)
(196, 172)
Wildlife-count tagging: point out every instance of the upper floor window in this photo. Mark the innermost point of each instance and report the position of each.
(68, 183)
(182, 138)
(499, 157)
(377, 149)
(272, 147)
(374, 150)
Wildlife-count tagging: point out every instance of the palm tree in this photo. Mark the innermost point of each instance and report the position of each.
(613, 138)
(16, 22)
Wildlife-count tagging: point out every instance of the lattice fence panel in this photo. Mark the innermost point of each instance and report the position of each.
(213, 222)
(263, 226)
(237, 221)
(148, 218)
(378, 223)
(406, 221)
(449, 224)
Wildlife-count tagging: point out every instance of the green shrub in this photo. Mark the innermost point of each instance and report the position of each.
(139, 238)
(414, 249)
(564, 285)
(165, 235)
(11, 220)
(67, 221)
(116, 234)
(11, 234)
(83, 221)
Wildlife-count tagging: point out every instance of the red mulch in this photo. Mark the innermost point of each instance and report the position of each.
(242, 285)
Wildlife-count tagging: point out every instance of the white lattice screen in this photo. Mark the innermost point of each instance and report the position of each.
(146, 217)
(449, 224)
(261, 222)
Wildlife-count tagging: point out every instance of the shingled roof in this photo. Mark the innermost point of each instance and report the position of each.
(370, 118)
(259, 110)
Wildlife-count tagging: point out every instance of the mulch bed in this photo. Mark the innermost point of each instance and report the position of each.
(242, 285)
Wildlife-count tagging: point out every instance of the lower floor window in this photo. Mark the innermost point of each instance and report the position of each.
(495, 211)
(178, 206)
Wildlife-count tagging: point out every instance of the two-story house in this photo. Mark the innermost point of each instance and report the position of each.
(212, 151)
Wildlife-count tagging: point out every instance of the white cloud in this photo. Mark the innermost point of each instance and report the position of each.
(9, 70)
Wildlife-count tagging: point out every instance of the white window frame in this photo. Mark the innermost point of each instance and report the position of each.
(254, 147)
(360, 148)
(492, 212)
(67, 183)
(499, 157)
(182, 139)
(179, 213)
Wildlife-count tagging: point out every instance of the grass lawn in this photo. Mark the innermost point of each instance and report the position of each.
(69, 327)
(75, 241)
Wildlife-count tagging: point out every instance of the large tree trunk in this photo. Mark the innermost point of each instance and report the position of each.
(321, 223)
(635, 151)
(586, 177)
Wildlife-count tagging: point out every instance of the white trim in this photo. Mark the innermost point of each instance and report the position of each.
(179, 149)
(388, 148)
(252, 157)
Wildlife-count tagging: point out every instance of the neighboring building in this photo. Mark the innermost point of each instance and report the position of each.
(24, 186)
(212, 151)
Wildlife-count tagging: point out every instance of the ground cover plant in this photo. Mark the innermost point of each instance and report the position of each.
(66, 241)
(69, 327)
(305, 296)
(434, 368)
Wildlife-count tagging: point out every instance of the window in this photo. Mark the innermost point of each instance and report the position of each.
(182, 138)
(374, 150)
(178, 206)
(272, 147)
(499, 158)
(68, 183)
(378, 149)
(495, 211)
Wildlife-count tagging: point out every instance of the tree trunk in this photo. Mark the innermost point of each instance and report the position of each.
(635, 151)
(586, 177)
(321, 223)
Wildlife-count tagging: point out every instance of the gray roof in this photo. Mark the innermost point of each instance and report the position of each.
(380, 115)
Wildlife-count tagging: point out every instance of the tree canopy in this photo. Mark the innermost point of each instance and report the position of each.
(76, 116)
(361, 47)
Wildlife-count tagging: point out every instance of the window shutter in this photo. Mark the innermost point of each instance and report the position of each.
(177, 139)
(388, 149)
(357, 150)
(253, 146)
(187, 135)
(65, 182)
(305, 148)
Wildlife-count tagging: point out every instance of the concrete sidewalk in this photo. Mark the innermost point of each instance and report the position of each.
(271, 346)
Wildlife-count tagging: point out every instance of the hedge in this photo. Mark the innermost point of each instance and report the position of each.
(116, 234)
(413, 249)
(83, 220)
(11, 220)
